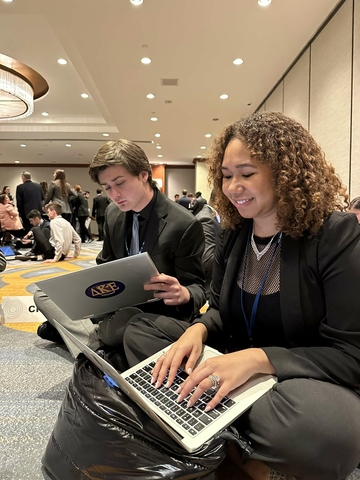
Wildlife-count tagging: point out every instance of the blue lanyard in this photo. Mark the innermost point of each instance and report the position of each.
(250, 325)
(127, 247)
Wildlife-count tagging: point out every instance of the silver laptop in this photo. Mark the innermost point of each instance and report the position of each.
(190, 427)
(103, 288)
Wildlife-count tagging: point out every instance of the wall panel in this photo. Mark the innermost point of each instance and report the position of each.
(330, 89)
(297, 89)
(355, 153)
(275, 102)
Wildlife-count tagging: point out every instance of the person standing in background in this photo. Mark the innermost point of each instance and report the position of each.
(176, 198)
(29, 196)
(60, 191)
(100, 203)
(199, 202)
(184, 201)
(81, 212)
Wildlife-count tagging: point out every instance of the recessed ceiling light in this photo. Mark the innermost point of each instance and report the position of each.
(238, 61)
(85, 95)
(136, 2)
(45, 114)
(150, 95)
(8, 1)
(160, 156)
(264, 3)
(158, 147)
(208, 135)
(203, 147)
(62, 61)
(224, 96)
(154, 119)
(157, 135)
(106, 134)
(68, 145)
(198, 156)
(22, 144)
(146, 60)
(17, 161)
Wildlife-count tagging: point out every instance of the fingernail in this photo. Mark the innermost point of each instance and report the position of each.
(152, 380)
(157, 385)
(188, 404)
(178, 399)
(189, 370)
(167, 385)
(207, 408)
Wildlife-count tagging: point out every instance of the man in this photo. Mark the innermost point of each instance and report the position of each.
(62, 235)
(199, 202)
(100, 203)
(172, 236)
(184, 201)
(35, 219)
(176, 198)
(29, 196)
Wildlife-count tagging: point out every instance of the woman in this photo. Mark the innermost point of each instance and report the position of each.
(6, 191)
(81, 212)
(9, 217)
(285, 274)
(60, 191)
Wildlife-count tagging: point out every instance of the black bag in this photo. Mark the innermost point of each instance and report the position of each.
(101, 434)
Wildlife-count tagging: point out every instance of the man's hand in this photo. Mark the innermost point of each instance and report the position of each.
(169, 289)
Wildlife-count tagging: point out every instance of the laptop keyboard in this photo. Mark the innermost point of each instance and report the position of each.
(193, 419)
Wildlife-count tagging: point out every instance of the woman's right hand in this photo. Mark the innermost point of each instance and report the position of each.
(188, 346)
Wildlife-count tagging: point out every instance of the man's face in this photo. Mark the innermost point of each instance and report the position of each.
(51, 214)
(35, 222)
(129, 192)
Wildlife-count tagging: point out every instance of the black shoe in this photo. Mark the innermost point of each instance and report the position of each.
(26, 256)
(48, 332)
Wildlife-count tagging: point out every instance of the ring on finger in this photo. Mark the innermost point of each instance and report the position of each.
(215, 381)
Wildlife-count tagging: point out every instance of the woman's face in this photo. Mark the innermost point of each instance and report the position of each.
(7, 190)
(248, 184)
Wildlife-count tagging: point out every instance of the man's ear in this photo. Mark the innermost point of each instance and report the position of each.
(144, 176)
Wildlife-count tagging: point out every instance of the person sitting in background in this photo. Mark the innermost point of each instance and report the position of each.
(36, 221)
(285, 274)
(9, 217)
(140, 219)
(81, 212)
(62, 235)
(354, 207)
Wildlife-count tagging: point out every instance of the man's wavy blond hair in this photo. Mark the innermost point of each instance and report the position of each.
(306, 185)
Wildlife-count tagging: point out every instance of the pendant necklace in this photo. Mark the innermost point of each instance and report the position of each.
(255, 249)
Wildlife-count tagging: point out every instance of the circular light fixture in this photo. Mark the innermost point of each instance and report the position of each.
(62, 61)
(160, 156)
(264, 3)
(19, 86)
(136, 2)
(198, 156)
(17, 161)
(158, 147)
(238, 61)
(45, 114)
(106, 134)
(203, 147)
(68, 145)
(224, 96)
(85, 95)
(8, 1)
(157, 135)
(22, 145)
(154, 119)
(208, 135)
(150, 95)
(146, 60)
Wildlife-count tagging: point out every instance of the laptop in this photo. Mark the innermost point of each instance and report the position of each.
(8, 252)
(102, 289)
(189, 427)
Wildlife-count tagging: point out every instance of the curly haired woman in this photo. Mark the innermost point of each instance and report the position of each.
(285, 275)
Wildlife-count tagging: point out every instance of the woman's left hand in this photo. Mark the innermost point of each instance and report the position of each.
(232, 370)
(169, 289)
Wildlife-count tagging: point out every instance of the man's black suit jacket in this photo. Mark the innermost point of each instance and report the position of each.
(175, 242)
(29, 196)
(99, 206)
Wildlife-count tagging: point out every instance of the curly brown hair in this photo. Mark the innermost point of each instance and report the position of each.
(306, 185)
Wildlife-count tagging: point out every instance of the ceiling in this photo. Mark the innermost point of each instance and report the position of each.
(191, 41)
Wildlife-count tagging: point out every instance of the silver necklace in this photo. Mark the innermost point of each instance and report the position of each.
(255, 249)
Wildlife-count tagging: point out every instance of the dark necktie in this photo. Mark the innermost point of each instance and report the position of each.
(135, 246)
